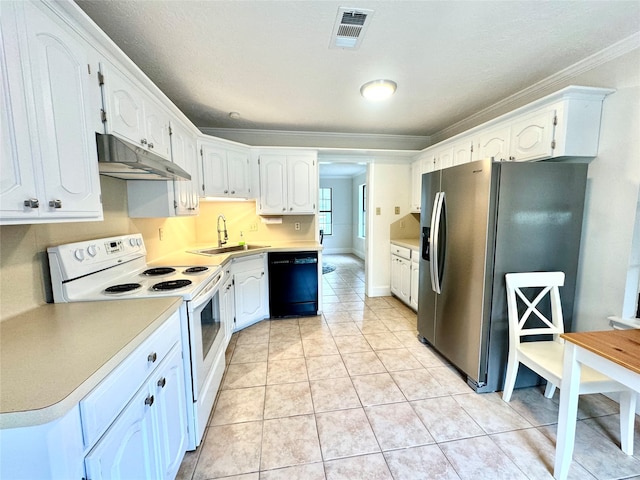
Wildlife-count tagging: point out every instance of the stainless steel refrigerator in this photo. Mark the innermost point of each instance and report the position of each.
(480, 221)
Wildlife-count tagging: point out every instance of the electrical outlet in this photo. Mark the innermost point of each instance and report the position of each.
(377, 210)
(296, 225)
(161, 233)
(253, 227)
(397, 210)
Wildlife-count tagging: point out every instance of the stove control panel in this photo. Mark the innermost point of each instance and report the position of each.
(74, 260)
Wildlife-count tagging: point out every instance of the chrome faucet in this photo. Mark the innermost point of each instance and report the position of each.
(226, 235)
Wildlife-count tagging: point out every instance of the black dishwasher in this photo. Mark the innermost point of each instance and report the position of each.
(293, 284)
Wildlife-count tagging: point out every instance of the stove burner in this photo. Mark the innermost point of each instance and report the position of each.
(122, 288)
(196, 270)
(152, 272)
(171, 285)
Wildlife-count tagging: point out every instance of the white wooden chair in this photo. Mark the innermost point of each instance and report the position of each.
(545, 357)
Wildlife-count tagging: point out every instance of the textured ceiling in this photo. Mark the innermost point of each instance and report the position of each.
(271, 62)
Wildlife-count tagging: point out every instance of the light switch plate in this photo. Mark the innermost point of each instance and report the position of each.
(397, 210)
(377, 210)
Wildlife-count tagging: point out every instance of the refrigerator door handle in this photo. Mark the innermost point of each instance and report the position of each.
(435, 230)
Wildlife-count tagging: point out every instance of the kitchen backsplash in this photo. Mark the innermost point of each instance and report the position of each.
(24, 267)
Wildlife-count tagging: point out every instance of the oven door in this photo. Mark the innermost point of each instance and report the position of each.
(206, 334)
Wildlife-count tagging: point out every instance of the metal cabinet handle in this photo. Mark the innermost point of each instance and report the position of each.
(151, 145)
(55, 203)
(143, 141)
(152, 357)
(512, 158)
(32, 203)
(162, 382)
(149, 400)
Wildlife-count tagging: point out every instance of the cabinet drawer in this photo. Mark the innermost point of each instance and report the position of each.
(248, 263)
(415, 256)
(104, 403)
(401, 251)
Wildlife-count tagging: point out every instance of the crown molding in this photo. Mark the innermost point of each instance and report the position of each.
(543, 87)
(320, 140)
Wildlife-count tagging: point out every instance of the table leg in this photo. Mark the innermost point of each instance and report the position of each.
(627, 420)
(568, 413)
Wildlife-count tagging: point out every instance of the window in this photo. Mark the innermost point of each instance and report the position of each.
(326, 211)
(362, 210)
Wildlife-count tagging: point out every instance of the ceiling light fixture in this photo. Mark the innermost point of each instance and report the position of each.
(378, 89)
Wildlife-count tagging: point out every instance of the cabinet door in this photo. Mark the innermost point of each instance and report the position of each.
(415, 278)
(444, 158)
(183, 153)
(238, 174)
(273, 187)
(462, 152)
(395, 275)
(250, 295)
(170, 413)
(405, 279)
(302, 192)
(416, 185)
(66, 96)
(18, 178)
(124, 106)
(494, 143)
(532, 137)
(214, 171)
(156, 123)
(127, 450)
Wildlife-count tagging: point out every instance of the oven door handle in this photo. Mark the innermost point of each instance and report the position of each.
(209, 291)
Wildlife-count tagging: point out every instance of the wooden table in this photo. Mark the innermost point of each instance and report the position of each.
(615, 353)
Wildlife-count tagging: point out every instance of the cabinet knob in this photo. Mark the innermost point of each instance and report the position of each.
(149, 400)
(284, 209)
(55, 203)
(152, 357)
(162, 382)
(143, 141)
(226, 191)
(291, 209)
(233, 192)
(32, 203)
(151, 145)
(512, 158)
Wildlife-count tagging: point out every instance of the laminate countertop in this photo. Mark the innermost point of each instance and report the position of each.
(54, 355)
(189, 256)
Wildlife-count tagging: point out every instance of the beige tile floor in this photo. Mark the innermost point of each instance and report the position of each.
(353, 394)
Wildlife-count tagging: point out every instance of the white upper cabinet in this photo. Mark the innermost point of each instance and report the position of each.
(132, 114)
(170, 198)
(50, 107)
(532, 136)
(184, 153)
(462, 151)
(444, 157)
(494, 143)
(225, 171)
(288, 184)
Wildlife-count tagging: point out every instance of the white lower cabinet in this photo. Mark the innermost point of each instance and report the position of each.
(148, 438)
(132, 425)
(251, 290)
(415, 279)
(405, 274)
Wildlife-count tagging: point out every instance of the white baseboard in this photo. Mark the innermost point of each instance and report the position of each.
(334, 251)
(379, 292)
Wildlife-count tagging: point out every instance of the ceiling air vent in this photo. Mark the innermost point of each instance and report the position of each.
(350, 27)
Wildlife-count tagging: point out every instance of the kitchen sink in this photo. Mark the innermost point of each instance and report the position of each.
(230, 249)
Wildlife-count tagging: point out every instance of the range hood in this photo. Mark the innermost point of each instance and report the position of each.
(120, 159)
